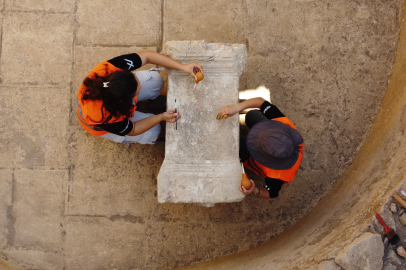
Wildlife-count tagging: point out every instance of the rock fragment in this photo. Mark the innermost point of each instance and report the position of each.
(392, 259)
(393, 208)
(389, 267)
(326, 265)
(402, 219)
(365, 252)
(401, 251)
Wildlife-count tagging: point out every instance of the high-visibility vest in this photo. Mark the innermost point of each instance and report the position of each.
(89, 112)
(286, 175)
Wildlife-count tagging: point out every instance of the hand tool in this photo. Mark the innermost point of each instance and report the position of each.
(245, 182)
(389, 232)
(176, 117)
(399, 200)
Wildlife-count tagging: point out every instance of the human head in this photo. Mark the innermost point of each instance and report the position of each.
(116, 91)
(122, 85)
(274, 144)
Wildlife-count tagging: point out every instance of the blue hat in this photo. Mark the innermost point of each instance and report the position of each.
(274, 144)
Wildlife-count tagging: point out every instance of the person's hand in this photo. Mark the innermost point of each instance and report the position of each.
(229, 111)
(170, 116)
(192, 69)
(248, 191)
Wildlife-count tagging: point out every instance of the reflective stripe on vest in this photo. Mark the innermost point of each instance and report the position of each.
(285, 175)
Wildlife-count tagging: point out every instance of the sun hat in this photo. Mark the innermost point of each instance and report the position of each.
(274, 144)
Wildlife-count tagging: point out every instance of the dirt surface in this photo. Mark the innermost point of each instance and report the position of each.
(72, 201)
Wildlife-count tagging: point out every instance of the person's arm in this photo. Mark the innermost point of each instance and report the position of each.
(230, 110)
(128, 62)
(270, 110)
(269, 191)
(260, 192)
(121, 128)
(145, 124)
(149, 57)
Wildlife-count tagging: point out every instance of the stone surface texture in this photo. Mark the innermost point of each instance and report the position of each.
(72, 201)
(402, 219)
(365, 252)
(326, 265)
(201, 154)
(118, 22)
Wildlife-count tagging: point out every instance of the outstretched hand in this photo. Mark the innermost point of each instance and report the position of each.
(192, 69)
(229, 111)
(248, 191)
(170, 116)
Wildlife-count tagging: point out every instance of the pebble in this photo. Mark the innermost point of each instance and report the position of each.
(402, 219)
(386, 242)
(393, 208)
(401, 251)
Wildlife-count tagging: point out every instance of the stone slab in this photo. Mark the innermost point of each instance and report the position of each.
(38, 209)
(102, 243)
(365, 252)
(49, 35)
(110, 178)
(34, 259)
(42, 5)
(201, 157)
(220, 21)
(6, 191)
(34, 133)
(104, 22)
(181, 243)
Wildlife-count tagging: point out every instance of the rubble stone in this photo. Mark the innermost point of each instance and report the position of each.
(401, 251)
(326, 265)
(389, 267)
(393, 208)
(365, 252)
(392, 258)
(402, 219)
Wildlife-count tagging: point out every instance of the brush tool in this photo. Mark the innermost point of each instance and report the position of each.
(389, 232)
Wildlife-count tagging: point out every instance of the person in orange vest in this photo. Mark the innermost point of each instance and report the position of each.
(273, 148)
(108, 97)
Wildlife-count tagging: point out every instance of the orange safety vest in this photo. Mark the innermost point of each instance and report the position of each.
(89, 112)
(285, 175)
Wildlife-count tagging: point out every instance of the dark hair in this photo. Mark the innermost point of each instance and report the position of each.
(117, 97)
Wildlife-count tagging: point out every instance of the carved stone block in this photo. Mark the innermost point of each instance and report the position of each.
(201, 155)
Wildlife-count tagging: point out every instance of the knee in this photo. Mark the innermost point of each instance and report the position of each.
(160, 81)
